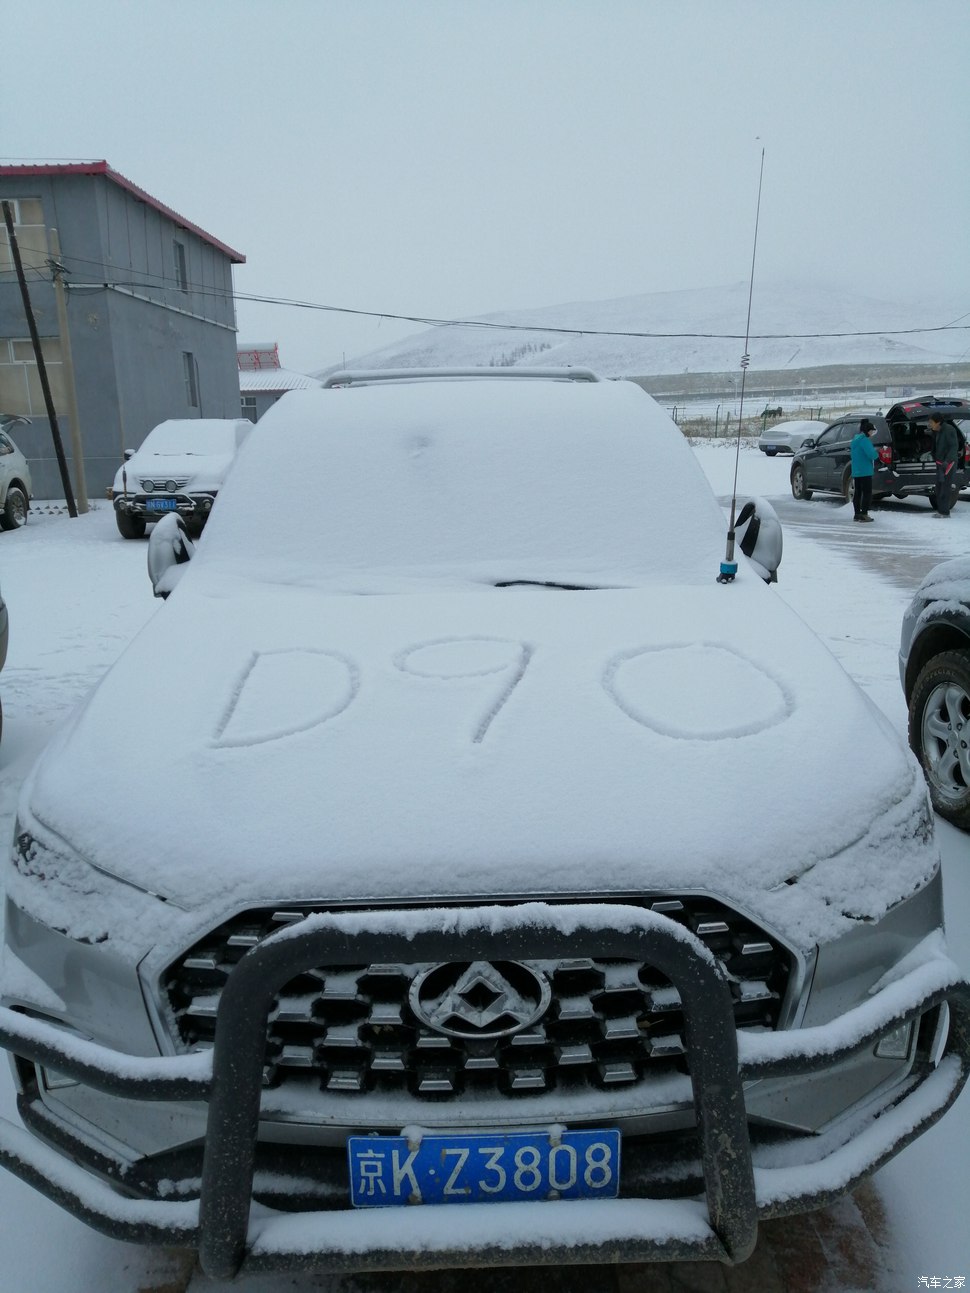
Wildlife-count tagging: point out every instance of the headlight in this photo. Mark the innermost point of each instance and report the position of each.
(54, 885)
(73, 937)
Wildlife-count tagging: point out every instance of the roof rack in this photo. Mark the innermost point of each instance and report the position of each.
(367, 377)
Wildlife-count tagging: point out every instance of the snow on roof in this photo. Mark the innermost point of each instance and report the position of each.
(260, 369)
(501, 479)
(102, 168)
(276, 379)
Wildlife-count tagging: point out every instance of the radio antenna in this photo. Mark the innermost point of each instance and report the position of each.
(729, 567)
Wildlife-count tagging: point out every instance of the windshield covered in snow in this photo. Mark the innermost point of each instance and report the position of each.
(494, 481)
(192, 436)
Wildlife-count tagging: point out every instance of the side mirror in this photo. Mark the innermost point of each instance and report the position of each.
(758, 533)
(808, 444)
(169, 549)
(129, 453)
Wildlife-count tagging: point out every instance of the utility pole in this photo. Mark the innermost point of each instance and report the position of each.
(57, 270)
(41, 366)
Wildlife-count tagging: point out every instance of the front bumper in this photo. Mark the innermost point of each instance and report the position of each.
(232, 1234)
(195, 506)
(913, 478)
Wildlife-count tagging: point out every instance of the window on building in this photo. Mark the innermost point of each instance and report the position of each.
(249, 407)
(30, 231)
(181, 277)
(20, 388)
(191, 371)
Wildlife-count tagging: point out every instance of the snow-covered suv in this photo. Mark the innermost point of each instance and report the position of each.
(451, 922)
(179, 468)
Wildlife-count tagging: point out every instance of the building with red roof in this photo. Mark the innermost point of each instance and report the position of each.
(151, 326)
(263, 379)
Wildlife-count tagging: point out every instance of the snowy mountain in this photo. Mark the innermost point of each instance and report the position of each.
(694, 331)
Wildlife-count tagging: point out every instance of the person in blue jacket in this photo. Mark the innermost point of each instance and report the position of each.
(864, 454)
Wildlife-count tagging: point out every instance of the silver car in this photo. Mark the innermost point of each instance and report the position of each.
(453, 884)
(786, 437)
(15, 482)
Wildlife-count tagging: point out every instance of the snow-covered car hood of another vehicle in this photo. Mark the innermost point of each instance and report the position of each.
(484, 742)
(203, 469)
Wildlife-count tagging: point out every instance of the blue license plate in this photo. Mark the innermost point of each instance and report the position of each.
(386, 1171)
(160, 504)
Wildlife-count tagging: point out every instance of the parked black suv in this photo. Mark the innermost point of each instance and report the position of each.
(934, 668)
(905, 444)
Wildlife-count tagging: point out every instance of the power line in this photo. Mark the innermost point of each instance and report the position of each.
(163, 281)
(597, 332)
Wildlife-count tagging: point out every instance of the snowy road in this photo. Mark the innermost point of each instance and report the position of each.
(78, 594)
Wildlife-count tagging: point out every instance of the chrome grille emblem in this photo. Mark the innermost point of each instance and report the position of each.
(484, 999)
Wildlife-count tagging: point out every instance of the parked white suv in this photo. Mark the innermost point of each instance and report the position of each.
(15, 482)
(179, 468)
(453, 883)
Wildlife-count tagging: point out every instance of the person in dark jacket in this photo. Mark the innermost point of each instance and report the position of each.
(946, 448)
(864, 455)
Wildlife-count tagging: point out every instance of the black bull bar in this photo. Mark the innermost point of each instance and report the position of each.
(218, 1224)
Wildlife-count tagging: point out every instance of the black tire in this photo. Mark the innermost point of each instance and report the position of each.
(847, 486)
(129, 526)
(939, 732)
(14, 513)
(799, 489)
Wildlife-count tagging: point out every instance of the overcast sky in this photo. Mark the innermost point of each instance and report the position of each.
(450, 158)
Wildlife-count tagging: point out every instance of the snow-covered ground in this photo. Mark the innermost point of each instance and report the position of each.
(77, 595)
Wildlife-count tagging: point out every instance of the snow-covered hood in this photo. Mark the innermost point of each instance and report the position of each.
(207, 470)
(294, 745)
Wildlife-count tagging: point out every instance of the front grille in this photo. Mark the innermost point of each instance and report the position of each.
(353, 1029)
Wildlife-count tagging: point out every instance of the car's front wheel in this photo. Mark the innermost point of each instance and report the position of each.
(129, 526)
(798, 487)
(939, 732)
(14, 513)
